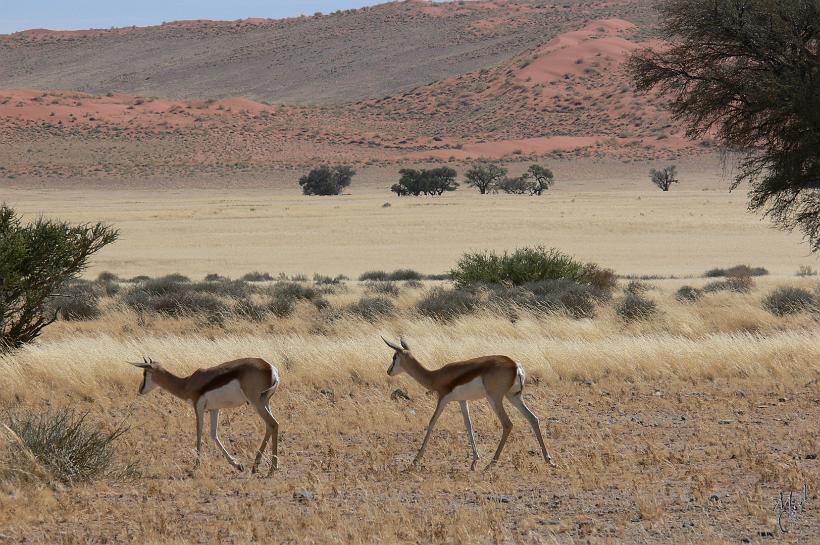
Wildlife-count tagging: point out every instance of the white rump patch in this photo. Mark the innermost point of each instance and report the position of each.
(224, 397)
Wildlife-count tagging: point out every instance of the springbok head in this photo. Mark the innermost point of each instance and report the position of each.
(400, 355)
(148, 367)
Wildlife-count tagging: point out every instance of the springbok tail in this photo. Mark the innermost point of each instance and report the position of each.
(268, 392)
(518, 387)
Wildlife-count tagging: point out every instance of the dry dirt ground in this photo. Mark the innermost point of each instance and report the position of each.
(602, 211)
(683, 429)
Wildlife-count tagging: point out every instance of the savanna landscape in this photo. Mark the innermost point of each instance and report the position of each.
(162, 199)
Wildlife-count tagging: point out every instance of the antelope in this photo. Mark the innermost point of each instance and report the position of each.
(493, 377)
(247, 380)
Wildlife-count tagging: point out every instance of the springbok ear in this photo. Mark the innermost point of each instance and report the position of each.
(404, 344)
(392, 345)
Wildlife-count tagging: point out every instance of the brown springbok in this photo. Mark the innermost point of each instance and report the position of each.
(233, 383)
(493, 377)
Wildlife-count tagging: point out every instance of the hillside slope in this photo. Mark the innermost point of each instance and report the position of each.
(343, 57)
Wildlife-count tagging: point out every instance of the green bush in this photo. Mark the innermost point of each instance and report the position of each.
(372, 308)
(448, 304)
(519, 267)
(60, 445)
(425, 182)
(688, 294)
(635, 307)
(788, 300)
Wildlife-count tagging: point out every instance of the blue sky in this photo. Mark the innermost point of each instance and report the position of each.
(78, 14)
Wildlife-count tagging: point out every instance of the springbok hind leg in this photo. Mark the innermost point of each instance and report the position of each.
(271, 432)
(506, 425)
(518, 401)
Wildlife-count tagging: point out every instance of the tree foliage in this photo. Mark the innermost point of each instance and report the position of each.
(36, 259)
(425, 182)
(748, 72)
(485, 176)
(535, 181)
(665, 177)
(327, 180)
(543, 178)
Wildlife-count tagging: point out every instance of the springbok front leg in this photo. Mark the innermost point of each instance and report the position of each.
(506, 426)
(468, 423)
(439, 408)
(199, 409)
(518, 401)
(215, 437)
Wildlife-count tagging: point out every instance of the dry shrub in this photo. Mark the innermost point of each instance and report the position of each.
(789, 300)
(635, 307)
(59, 445)
(688, 294)
(372, 308)
(736, 284)
(448, 304)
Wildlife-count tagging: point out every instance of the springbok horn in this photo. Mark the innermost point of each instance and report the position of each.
(404, 343)
(394, 346)
(140, 364)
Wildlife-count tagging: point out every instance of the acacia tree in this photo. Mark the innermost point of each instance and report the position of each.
(485, 176)
(543, 177)
(428, 182)
(748, 71)
(327, 180)
(664, 178)
(35, 260)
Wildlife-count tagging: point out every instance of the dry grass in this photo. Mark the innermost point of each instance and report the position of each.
(682, 429)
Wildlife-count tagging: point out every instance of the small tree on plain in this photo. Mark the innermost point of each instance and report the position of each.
(428, 182)
(35, 261)
(543, 177)
(327, 180)
(485, 176)
(520, 185)
(664, 178)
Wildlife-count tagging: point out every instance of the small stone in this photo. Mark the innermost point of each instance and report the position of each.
(725, 421)
(399, 393)
(303, 496)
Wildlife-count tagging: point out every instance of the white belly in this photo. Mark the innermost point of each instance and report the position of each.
(468, 391)
(224, 397)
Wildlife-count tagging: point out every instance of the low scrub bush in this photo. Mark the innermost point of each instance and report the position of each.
(257, 276)
(60, 445)
(236, 289)
(78, 300)
(737, 270)
(251, 311)
(404, 274)
(561, 296)
(688, 294)
(383, 288)
(285, 296)
(413, 284)
(327, 180)
(107, 276)
(373, 275)
(737, 284)
(637, 287)
(448, 304)
(214, 277)
(806, 270)
(372, 308)
(788, 300)
(635, 307)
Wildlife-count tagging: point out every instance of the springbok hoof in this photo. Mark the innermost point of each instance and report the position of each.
(475, 463)
(490, 465)
(239, 467)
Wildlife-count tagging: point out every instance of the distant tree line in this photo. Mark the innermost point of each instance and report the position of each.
(486, 177)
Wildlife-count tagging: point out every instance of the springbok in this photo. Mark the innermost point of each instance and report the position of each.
(233, 383)
(493, 377)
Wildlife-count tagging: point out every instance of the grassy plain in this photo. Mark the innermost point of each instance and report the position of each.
(607, 212)
(680, 429)
(684, 428)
